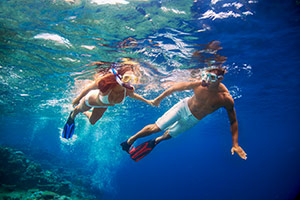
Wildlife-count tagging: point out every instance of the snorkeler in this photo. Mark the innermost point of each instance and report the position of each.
(209, 95)
(110, 89)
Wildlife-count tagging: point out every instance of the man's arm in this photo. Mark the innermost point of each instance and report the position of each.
(234, 129)
(175, 88)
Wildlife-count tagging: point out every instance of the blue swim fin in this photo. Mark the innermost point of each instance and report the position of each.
(142, 150)
(69, 128)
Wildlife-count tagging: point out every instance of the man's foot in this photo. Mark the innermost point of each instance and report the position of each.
(125, 146)
(142, 150)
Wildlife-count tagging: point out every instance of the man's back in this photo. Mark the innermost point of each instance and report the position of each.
(207, 100)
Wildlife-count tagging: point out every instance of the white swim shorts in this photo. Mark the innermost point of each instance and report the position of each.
(178, 119)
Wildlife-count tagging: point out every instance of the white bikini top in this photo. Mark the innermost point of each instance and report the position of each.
(104, 99)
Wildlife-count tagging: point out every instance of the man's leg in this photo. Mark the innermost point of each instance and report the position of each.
(163, 137)
(169, 118)
(146, 131)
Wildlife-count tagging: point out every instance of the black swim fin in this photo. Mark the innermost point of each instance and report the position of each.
(126, 147)
(142, 150)
(69, 128)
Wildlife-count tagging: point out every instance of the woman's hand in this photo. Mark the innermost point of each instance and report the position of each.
(151, 102)
(156, 102)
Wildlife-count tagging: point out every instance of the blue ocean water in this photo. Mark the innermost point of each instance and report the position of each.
(45, 51)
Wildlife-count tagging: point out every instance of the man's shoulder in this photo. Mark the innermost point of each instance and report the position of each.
(223, 87)
(226, 95)
(228, 100)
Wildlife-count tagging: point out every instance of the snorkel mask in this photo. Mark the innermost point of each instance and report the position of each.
(129, 78)
(209, 77)
(125, 80)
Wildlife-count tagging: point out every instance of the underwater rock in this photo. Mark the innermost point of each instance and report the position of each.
(33, 195)
(17, 170)
(64, 188)
(21, 178)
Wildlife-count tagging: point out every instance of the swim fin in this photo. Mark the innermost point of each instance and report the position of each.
(142, 150)
(69, 128)
(126, 147)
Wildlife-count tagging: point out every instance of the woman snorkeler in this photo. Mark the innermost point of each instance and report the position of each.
(109, 89)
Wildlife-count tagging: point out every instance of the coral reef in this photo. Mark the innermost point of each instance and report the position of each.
(22, 178)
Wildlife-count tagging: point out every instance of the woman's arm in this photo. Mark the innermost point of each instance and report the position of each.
(84, 92)
(140, 98)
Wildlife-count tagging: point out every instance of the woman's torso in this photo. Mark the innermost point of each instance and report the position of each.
(113, 96)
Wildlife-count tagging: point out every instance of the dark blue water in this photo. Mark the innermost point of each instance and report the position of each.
(40, 77)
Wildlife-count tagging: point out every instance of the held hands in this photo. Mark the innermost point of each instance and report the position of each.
(151, 102)
(239, 151)
(155, 102)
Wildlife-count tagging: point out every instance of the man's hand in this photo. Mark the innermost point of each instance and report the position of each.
(239, 151)
(150, 102)
(155, 102)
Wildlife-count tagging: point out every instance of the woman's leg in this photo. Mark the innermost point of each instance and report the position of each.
(95, 115)
(80, 108)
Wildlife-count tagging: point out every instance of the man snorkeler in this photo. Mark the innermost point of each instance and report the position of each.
(209, 95)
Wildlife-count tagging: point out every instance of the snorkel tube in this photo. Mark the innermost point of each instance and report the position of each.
(119, 79)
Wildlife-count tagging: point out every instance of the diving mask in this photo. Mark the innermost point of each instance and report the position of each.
(129, 78)
(120, 81)
(210, 77)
